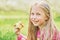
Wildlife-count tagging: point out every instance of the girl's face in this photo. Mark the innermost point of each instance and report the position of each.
(37, 16)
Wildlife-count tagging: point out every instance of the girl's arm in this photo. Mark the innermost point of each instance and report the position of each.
(21, 37)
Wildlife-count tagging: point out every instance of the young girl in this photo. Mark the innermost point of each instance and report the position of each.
(41, 26)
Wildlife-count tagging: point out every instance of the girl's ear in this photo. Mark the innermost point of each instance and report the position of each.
(46, 18)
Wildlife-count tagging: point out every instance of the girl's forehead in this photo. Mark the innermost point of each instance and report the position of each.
(36, 8)
(39, 9)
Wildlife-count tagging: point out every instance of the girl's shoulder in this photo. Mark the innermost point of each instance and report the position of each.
(21, 37)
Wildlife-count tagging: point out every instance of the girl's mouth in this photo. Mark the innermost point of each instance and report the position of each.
(36, 21)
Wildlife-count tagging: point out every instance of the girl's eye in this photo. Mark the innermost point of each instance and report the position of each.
(38, 14)
(32, 13)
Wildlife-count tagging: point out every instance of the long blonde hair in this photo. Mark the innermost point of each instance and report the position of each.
(48, 29)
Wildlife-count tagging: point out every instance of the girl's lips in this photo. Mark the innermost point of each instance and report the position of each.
(35, 21)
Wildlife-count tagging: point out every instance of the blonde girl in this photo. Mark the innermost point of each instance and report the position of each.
(41, 26)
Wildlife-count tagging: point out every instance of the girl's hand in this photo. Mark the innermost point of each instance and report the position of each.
(18, 26)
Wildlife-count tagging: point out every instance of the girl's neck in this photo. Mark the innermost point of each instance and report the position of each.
(42, 26)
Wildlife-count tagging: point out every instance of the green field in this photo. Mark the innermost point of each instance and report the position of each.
(9, 18)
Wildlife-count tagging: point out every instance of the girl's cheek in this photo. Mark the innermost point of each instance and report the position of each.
(31, 18)
(39, 18)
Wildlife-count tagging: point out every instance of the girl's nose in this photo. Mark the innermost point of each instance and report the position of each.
(34, 16)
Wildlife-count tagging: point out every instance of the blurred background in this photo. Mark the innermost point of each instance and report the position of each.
(12, 11)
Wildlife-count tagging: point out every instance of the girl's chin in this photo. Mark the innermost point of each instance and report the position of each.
(36, 25)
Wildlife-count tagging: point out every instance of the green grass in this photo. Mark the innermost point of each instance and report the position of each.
(9, 18)
(57, 22)
(7, 21)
